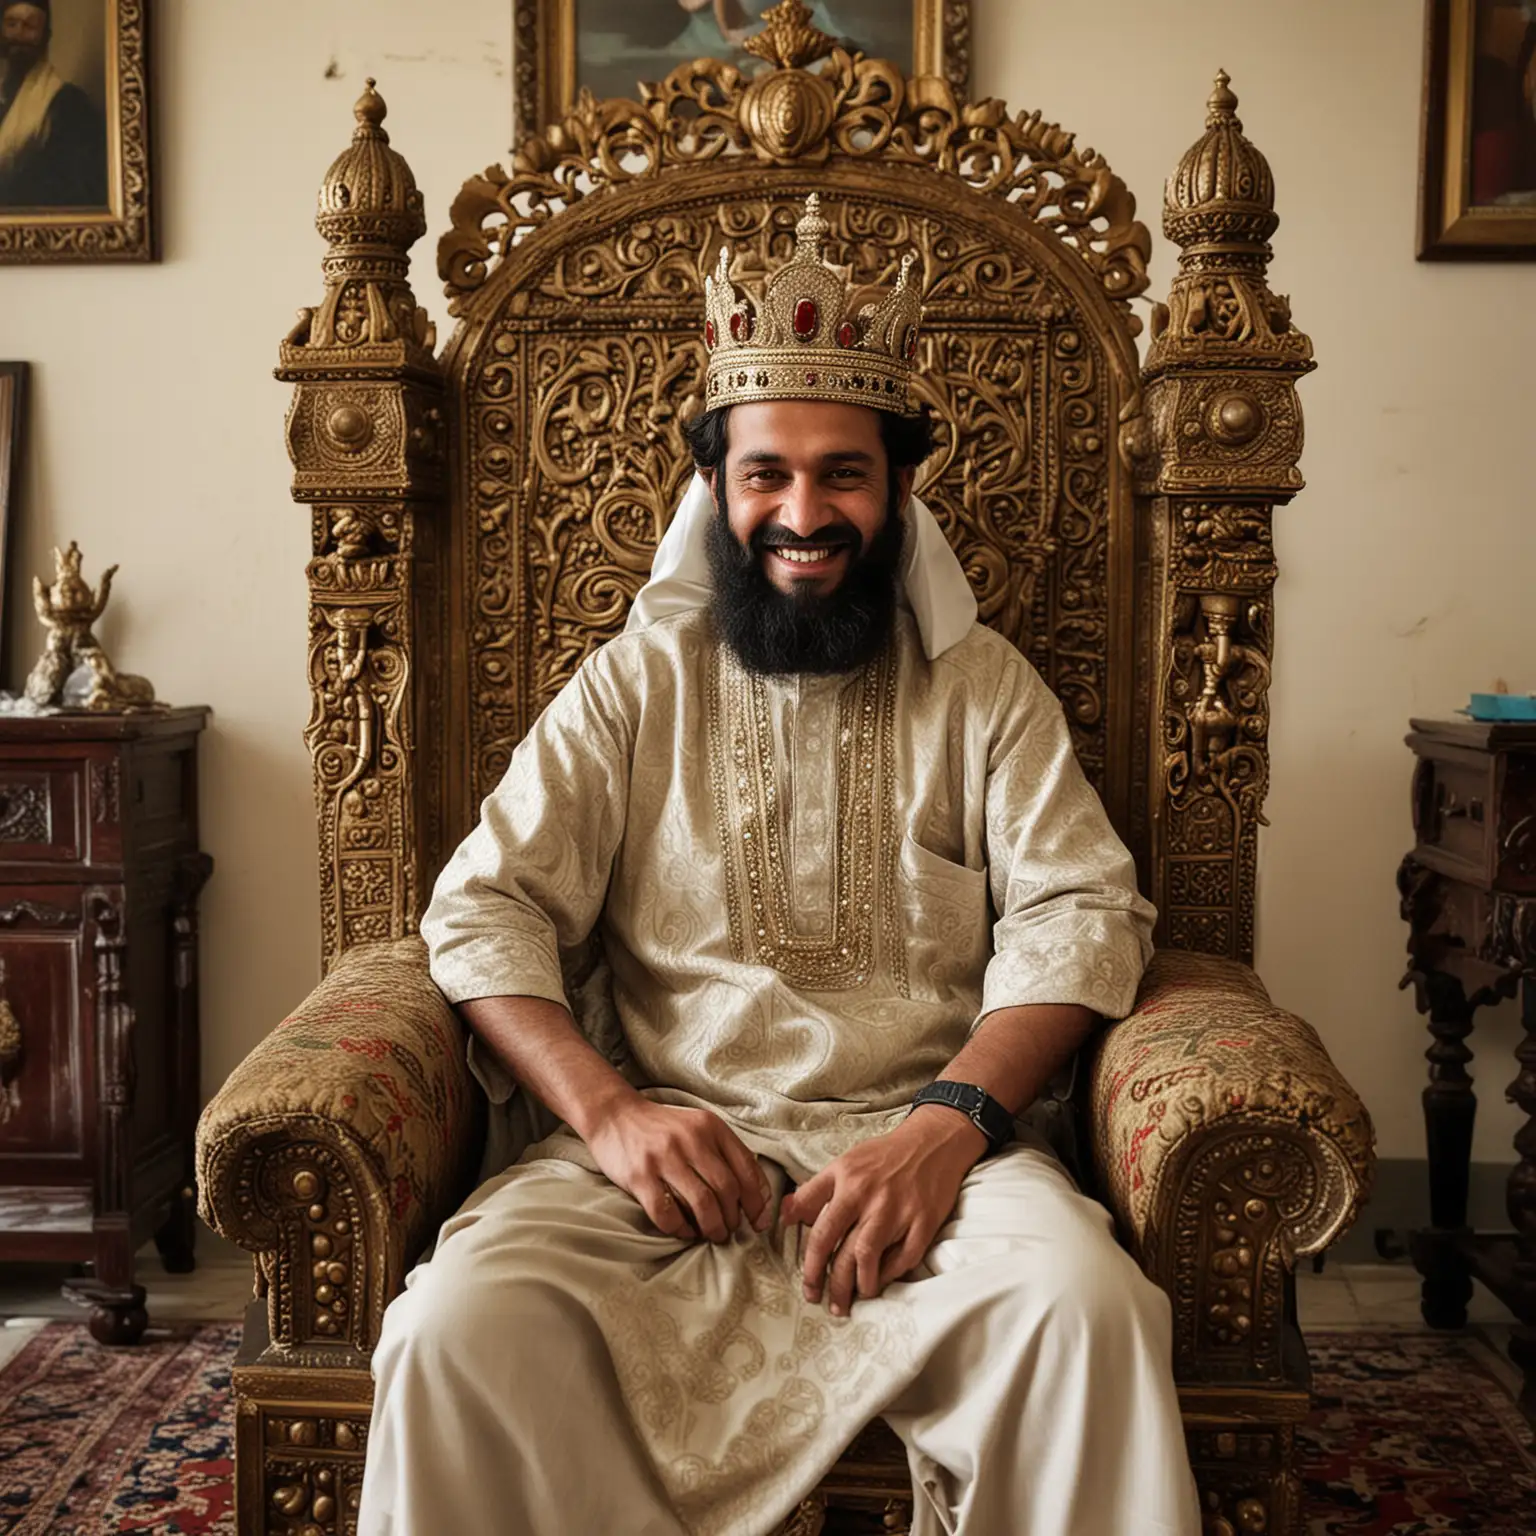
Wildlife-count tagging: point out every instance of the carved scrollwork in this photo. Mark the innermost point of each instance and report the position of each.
(304, 1205)
(576, 456)
(854, 107)
(1225, 430)
(24, 811)
(1245, 1205)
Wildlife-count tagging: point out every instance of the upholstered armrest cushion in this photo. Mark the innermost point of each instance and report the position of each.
(337, 1147)
(1226, 1143)
(1205, 1056)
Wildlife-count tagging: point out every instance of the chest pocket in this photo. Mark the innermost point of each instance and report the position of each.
(947, 922)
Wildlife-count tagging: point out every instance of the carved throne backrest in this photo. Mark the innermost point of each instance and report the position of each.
(500, 505)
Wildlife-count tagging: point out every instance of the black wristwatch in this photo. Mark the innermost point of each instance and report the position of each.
(979, 1107)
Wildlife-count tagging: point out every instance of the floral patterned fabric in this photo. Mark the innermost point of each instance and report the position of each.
(375, 1052)
(1204, 1045)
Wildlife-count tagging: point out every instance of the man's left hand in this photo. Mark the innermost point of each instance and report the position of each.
(873, 1212)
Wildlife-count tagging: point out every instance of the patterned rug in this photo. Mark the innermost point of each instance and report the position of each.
(1412, 1436)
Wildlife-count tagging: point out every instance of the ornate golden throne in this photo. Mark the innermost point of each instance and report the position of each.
(483, 516)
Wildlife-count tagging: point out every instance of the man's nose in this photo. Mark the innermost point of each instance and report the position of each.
(803, 509)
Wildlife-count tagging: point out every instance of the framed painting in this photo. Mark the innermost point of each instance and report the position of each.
(1477, 187)
(609, 46)
(74, 131)
(13, 410)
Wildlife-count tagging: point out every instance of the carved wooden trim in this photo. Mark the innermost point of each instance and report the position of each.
(1217, 450)
(43, 913)
(115, 1073)
(316, 1216)
(1233, 1216)
(364, 434)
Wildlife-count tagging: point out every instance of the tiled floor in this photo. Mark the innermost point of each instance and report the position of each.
(1344, 1296)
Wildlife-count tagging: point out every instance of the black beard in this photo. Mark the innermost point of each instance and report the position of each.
(775, 632)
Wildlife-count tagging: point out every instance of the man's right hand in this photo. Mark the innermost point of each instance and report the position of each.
(688, 1169)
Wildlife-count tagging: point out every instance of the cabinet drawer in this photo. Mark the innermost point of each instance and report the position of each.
(1453, 811)
(40, 813)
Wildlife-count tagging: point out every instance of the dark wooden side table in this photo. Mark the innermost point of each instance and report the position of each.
(100, 872)
(1469, 897)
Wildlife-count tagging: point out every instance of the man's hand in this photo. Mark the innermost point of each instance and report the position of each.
(688, 1169)
(873, 1212)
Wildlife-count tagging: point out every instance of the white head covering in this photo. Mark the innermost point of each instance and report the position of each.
(932, 578)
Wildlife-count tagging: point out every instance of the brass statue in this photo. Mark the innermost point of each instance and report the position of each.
(68, 610)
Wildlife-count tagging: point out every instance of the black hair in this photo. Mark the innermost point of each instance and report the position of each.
(907, 440)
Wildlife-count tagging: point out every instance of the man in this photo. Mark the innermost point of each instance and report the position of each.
(53, 148)
(755, 847)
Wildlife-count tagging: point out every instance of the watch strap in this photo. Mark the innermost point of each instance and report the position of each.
(976, 1104)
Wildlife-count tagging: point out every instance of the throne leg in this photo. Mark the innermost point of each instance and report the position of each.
(176, 1238)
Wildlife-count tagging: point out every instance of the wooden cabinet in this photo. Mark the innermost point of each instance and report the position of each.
(100, 872)
(1469, 896)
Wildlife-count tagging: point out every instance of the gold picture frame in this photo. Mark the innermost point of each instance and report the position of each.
(1477, 187)
(13, 420)
(548, 43)
(65, 194)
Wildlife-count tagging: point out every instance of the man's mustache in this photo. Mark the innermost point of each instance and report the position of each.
(837, 536)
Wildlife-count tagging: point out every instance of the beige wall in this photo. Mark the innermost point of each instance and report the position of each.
(157, 439)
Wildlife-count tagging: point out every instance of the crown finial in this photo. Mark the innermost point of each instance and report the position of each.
(1221, 107)
(804, 340)
(370, 112)
(810, 230)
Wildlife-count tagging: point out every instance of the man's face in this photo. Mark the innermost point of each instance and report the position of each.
(806, 488)
(23, 33)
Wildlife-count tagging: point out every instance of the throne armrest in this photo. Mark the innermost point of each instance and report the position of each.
(336, 1148)
(1227, 1144)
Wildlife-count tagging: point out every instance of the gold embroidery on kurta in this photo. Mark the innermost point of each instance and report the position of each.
(752, 809)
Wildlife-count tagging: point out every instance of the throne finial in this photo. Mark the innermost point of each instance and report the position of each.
(1221, 107)
(370, 111)
(788, 39)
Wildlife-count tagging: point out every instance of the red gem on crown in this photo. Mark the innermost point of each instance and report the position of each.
(846, 335)
(709, 333)
(805, 317)
(736, 325)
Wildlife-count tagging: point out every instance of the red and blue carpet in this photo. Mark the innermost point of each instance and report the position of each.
(1411, 1435)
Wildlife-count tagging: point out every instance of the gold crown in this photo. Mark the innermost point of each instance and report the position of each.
(802, 342)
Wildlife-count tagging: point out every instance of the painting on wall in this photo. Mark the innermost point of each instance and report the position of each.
(609, 46)
(74, 132)
(1478, 171)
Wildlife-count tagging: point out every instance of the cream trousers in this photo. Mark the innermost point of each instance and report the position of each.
(558, 1368)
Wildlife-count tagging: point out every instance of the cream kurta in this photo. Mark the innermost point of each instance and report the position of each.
(804, 894)
(793, 879)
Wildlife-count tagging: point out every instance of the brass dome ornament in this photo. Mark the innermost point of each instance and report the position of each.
(1223, 188)
(1219, 207)
(68, 609)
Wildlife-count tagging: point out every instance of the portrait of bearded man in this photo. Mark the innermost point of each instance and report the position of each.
(53, 142)
(787, 909)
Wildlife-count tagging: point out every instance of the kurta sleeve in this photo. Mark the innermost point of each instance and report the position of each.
(1072, 927)
(529, 882)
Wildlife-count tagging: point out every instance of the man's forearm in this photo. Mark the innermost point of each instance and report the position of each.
(538, 1042)
(1015, 1052)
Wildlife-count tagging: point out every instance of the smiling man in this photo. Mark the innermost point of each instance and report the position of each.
(786, 907)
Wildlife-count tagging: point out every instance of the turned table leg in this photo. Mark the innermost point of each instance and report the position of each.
(1521, 1202)
(1450, 1107)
